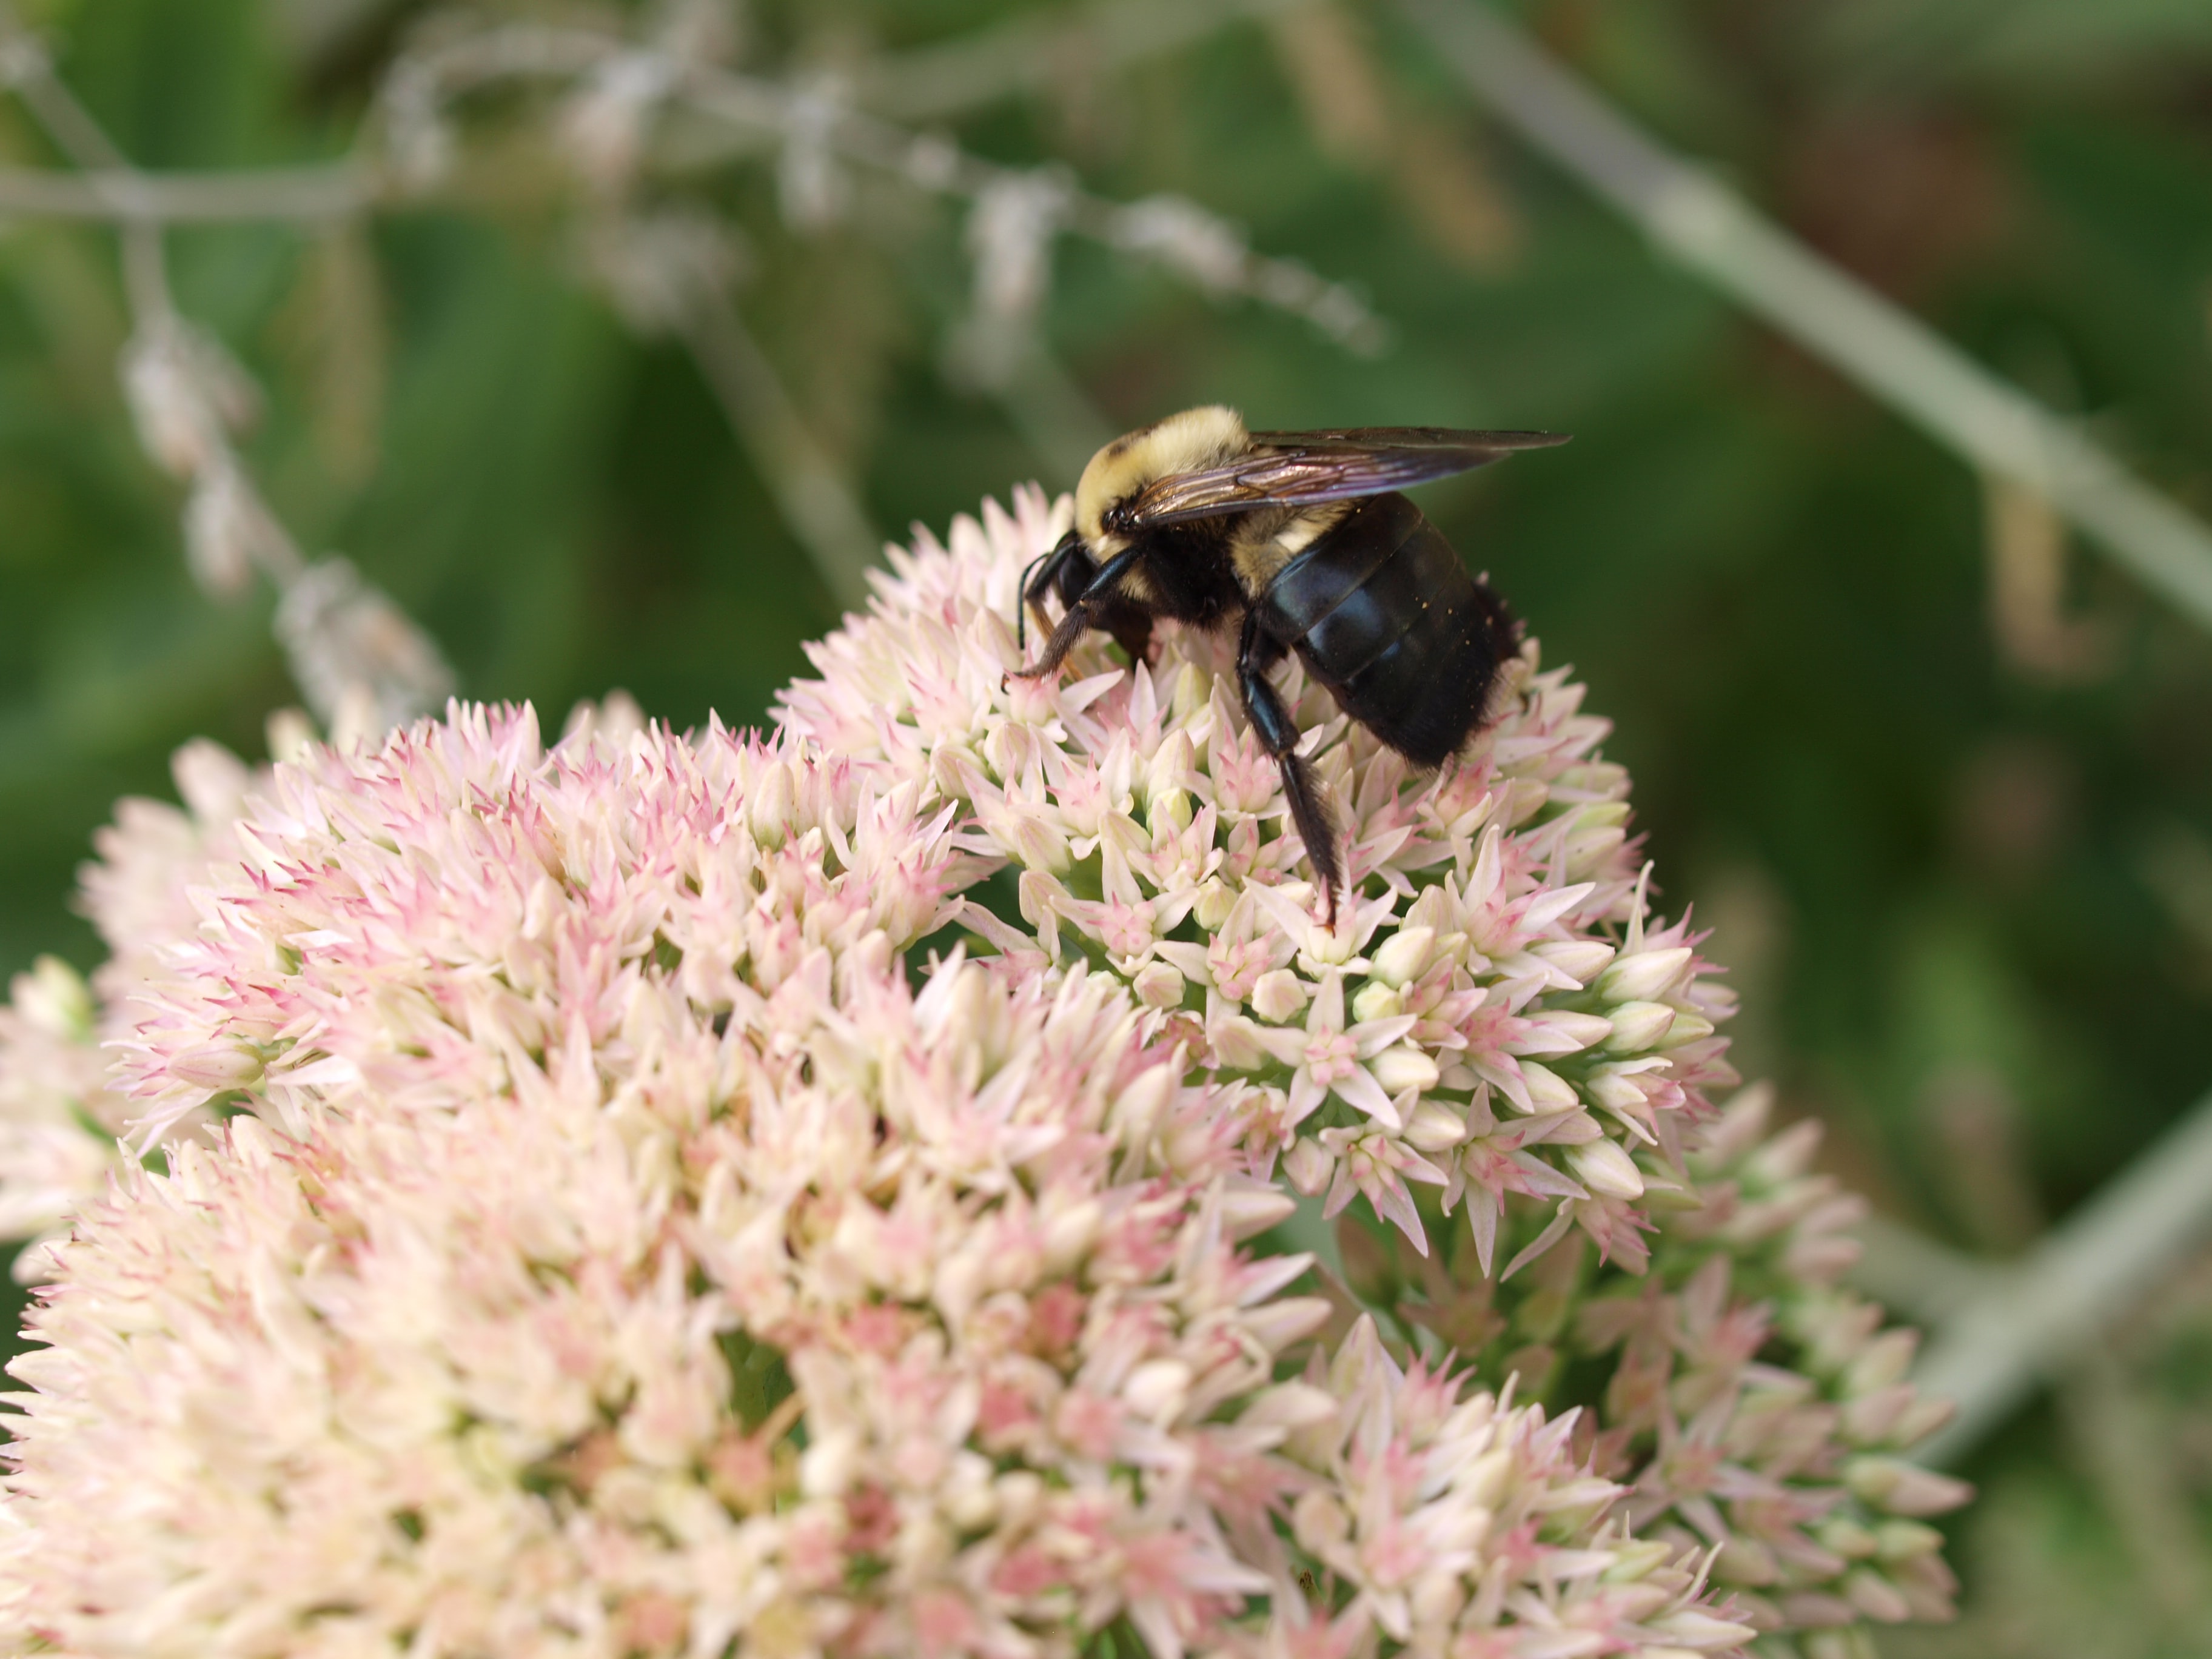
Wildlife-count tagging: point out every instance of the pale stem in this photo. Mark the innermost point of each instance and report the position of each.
(390, 665)
(77, 136)
(1054, 415)
(251, 196)
(1032, 52)
(2000, 1333)
(1890, 353)
(814, 496)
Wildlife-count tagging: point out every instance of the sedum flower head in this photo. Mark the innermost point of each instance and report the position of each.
(606, 1248)
(1493, 1017)
(833, 1194)
(55, 1145)
(61, 1115)
(1754, 1408)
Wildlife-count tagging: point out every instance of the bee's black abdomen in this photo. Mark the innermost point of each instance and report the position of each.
(1385, 615)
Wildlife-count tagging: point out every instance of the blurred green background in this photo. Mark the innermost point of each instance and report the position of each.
(1959, 852)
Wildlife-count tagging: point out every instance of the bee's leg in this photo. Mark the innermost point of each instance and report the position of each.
(1278, 734)
(1097, 602)
(1025, 602)
(1068, 567)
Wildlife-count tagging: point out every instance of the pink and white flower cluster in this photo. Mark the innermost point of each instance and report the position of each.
(589, 1227)
(1492, 1014)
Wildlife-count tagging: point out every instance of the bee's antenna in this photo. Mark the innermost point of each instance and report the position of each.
(1022, 601)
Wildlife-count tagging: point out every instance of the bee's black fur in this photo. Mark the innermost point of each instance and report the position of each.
(1383, 613)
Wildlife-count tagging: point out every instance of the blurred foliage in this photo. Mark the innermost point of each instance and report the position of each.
(1965, 880)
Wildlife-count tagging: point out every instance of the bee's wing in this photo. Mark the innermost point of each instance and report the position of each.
(1300, 468)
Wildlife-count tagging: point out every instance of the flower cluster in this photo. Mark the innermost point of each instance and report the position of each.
(61, 1119)
(1416, 1480)
(1756, 1408)
(606, 1250)
(57, 1122)
(1495, 1018)
(826, 1195)
(1491, 1015)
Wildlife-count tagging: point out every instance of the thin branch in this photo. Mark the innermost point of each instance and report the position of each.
(1030, 52)
(1178, 234)
(357, 657)
(2032, 1320)
(1931, 1282)
(268, 195)
(813, 495)
(26, 68)
(1054, 415)
(1892, 354)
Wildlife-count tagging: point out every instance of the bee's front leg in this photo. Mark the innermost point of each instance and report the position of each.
(1095, 604)
(1068, 569)
(1257, 654)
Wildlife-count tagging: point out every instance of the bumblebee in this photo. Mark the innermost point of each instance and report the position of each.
(1303, 541)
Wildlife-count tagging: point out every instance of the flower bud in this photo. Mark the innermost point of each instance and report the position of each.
(1574, 1129)
(1844, 1536)
(1159, 985)
(1034, 840)
(1875, 1596)
(1435, 1126)
(1846, 1641)
(290, 734)
(1547, 1090)
(1699, 1631)
(1612, 1088)
(1402, 1066)
(1216, 899)
(53, 997)
(1375, 1001)
(1247, 1212)
(1635, 1557)
(968, 1501)
(1333, 945)
(1901, 1488)
(1580, 959)
(1193, 687)
(1170, 811)
(1643, 974)
(1157, 1389)
(217, 1066)
(1606, 1169)
(1687, 1028)
(1288, 1405)
(770, 807)
(1278, 995)
(1637, 1026)
(1405, 956)
(1902, 1541)
(1883, 1361)
(1586, 850)
(1308, 1167)
(1069, 1230)
(1746, 1561)
(1565, 1031)
(1318, 1521)
(1171, 763)
(827, 1466)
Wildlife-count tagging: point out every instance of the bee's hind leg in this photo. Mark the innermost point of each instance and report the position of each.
(1279, 735)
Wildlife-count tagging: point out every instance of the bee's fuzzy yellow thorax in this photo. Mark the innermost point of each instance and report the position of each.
(1201, 437)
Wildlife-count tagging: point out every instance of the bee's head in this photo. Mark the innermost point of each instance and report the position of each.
(1201, 437)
